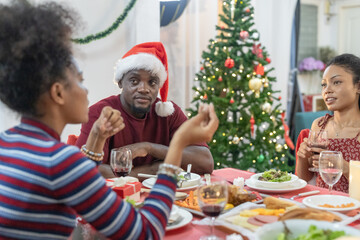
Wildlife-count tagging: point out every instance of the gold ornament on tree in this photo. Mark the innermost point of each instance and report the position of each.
(266, 82)
(236, 140)
(266, 107)
(278, 147)
(255, 85)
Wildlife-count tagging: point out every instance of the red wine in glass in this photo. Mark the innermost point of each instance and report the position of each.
(121, 172)
(318, 145)
(211, 210)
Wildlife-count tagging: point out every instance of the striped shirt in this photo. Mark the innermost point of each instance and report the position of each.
(45, 184)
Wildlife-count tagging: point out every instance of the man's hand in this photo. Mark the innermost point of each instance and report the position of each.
(140, 149)
(109, 123)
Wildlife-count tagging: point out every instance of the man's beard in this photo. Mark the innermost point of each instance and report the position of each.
(138, 110)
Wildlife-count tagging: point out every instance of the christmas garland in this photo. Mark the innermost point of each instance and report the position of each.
(106, 32)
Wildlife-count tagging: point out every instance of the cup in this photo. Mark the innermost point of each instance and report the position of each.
(354, 179)
(121, 161)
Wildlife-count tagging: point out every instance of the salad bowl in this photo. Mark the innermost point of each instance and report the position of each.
(284, 181)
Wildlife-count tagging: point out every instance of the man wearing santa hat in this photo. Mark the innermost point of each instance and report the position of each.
(150, 122)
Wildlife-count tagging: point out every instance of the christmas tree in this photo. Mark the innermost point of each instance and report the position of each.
(252, 133)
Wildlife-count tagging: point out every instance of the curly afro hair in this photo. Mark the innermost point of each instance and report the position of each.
(35, 50)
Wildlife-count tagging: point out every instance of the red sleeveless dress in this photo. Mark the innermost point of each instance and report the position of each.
(350, 149)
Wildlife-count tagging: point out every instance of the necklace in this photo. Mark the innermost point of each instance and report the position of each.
(336, 132)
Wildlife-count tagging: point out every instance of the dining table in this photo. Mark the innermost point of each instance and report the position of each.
(193, 230)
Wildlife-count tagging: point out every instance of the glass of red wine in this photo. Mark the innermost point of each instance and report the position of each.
(121, 161)
(318, 139)
(212, 198)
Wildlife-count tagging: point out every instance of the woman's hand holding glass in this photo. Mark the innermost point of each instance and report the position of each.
(318, 142)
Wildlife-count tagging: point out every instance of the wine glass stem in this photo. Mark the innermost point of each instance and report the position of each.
(330, 188)
(212, 226)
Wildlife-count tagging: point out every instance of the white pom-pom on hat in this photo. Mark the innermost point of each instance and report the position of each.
(150, 56)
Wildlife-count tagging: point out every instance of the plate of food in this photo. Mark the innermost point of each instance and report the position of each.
(247, 218)
(183, 184)
(299, 184)
(237, 196)
(335, 203)
(178, 218)
(304, 229)
(274, 179)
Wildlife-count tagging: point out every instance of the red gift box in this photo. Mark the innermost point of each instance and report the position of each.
(130, 189)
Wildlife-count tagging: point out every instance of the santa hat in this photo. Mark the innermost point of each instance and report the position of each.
(150, 56)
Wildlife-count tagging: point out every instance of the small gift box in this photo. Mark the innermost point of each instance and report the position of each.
(126, 189)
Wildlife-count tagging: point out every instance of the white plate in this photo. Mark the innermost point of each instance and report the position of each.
(149, 183)
(299, 226)
(315, 201)
(187, 217)
(277, 185)
(299, 184)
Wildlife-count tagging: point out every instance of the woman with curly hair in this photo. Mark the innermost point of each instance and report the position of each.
(44, 183)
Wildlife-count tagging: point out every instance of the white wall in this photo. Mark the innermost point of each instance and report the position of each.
(328, 30)
(97, 59)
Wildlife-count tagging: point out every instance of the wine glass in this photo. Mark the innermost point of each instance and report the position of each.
(317, 139)
(330, 167)
(212, 198)
(121, 161)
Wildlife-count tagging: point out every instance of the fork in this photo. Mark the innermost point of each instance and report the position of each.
(304, 194)
(187, 175)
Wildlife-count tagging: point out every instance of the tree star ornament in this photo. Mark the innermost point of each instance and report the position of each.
(229, 63)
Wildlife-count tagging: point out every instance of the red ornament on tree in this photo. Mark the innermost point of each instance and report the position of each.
(286, 134)
(244, 35)
(279, 97)
(259, 69)
(257, 50)
(222, 27)
(201, 68)
(268, 60)
(229, 63)
(220, 79)
(205, 96)
(232, 101)
(247, 10)
(252, 123)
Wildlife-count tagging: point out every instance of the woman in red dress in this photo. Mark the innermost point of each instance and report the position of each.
(340, 91)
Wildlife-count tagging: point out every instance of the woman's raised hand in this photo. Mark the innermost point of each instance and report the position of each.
(109, 123)
(200, 128)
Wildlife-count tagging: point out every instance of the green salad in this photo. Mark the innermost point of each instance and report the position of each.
(314, 233)
(275, 176)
